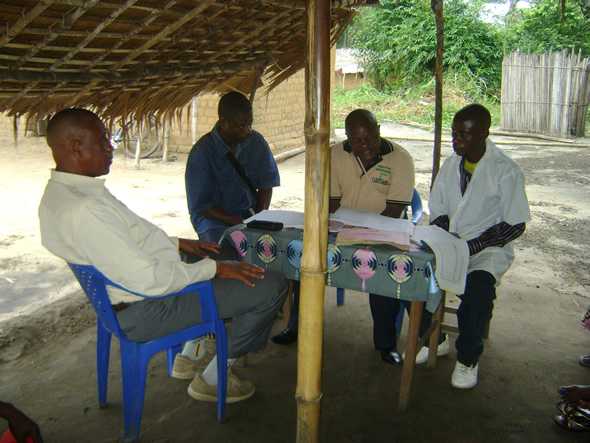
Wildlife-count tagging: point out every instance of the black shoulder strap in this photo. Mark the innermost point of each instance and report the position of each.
(240, 170)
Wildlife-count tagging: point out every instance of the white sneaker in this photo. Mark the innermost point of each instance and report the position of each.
(443, 349)
(464, 377)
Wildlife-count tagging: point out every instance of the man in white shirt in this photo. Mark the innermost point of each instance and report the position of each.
(479, 195)
(83, 223)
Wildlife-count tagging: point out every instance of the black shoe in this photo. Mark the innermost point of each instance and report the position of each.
(392, 357)
(286, 337)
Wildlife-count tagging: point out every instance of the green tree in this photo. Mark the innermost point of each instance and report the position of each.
(397, 42)
(541, 28)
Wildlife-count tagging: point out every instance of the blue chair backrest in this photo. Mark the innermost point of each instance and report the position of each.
(94, 285)
(417, 211)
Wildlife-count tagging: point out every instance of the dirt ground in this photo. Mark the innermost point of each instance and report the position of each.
(47, 335)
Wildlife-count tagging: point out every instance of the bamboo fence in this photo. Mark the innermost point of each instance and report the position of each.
(546, 93)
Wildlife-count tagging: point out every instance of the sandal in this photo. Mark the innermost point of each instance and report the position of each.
(572, 417)
(584, 360)
(569, 424)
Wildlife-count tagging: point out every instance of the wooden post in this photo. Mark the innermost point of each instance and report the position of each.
(411, 351)
(437, 8)
(194, 104)
(315, 238)
(165, 131)
(255, 81)
(140, 130)
(15, 129)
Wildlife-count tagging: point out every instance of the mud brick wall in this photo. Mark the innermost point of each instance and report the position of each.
(278, 116)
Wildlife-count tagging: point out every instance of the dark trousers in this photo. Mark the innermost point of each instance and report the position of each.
(293, 322)
(384, 311)
(475, 311)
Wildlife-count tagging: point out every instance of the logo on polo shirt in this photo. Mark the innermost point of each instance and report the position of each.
(382, 175)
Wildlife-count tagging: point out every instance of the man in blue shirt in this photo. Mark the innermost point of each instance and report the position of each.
(230, 171)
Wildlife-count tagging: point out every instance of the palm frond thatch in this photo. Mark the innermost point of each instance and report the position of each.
(146, 57)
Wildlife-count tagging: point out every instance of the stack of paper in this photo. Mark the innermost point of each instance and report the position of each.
(371, 220)
(354, 236)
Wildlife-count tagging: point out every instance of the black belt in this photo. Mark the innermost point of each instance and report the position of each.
(120, 306)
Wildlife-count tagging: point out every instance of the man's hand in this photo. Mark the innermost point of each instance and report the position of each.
(197, 247)
(22, 427)
(244, 272)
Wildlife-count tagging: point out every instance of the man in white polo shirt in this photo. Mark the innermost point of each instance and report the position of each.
(372, 174)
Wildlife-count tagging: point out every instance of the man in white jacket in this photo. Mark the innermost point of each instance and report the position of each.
(478, 195)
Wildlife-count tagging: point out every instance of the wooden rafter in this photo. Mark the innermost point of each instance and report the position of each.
(132, 57)
(165, 32)
(66, 23)
(110, 19)
(27, 18)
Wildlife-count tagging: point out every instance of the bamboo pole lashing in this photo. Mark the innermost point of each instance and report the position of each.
(315, 237)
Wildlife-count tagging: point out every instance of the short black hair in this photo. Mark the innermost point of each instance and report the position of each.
(74, 116)
(233, 103)
(360, 117)
(476, 112)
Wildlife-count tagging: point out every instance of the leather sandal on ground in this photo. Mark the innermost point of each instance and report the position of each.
(572, 417)
(584, 360)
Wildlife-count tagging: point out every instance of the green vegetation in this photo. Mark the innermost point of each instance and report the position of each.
(396, 43)
(410, 105)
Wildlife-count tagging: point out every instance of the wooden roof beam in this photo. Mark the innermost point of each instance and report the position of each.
(133, 75)
(110, 19)
(133, 34)
(27, 18)
(67, 22)
(171, 28)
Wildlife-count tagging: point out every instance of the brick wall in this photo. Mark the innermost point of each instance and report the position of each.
(278, 116)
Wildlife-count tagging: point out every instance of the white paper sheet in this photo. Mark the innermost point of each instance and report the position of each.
(452, 257)
(373, 221)
(289, 219)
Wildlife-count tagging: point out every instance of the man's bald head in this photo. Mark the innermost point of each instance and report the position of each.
(361, 117)
(79, 142)
(65, 121)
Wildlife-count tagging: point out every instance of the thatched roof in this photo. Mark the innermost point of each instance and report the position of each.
(146, 56)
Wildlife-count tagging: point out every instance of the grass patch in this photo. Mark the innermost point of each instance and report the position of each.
(410, 104)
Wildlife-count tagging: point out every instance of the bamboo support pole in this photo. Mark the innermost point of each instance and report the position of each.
(165, 138)
(437, 8)
(315, 238)
(137, 159)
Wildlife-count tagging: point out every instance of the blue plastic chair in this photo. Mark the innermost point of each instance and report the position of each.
(417, 214)
(135, 356)
(416, 205)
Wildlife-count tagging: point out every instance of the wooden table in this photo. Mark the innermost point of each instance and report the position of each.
(378, 269)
